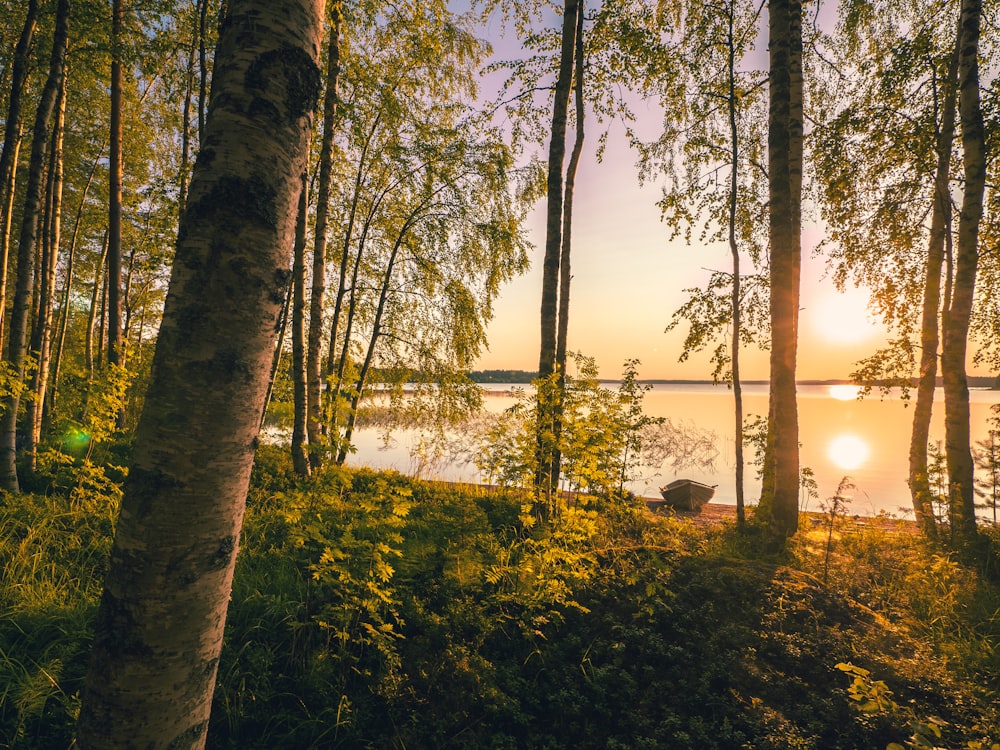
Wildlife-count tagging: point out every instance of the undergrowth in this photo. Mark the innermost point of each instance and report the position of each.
(371, 611)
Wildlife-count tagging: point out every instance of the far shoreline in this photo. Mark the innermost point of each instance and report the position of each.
(525, 377)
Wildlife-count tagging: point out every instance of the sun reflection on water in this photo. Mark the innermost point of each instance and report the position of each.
(848, 451)
(844, 392)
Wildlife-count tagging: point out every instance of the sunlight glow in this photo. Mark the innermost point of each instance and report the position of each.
(842, 317)
(845, 392)
(848, 451)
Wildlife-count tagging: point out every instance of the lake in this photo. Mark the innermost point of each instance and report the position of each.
(867, 440)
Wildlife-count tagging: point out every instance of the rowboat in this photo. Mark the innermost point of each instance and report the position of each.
(687, 494)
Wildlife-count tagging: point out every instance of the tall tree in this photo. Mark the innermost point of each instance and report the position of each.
(958, 449)
(732, 95)
(12, 144)
(713, 99)
(780, 494)
(114, 277)
(314, 359)
(203, 65)
(566, 251)
(160, 622)
(27, 241)
(919, 476)
(66, 298)
(300, 457)
(546, 480)
(431, 215)
(887, 159)
(41, 335)
(182, 172)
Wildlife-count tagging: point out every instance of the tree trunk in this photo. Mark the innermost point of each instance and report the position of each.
(784, 194)
(314, 363)
(92, 315)
(202, 67)
(276, 359)
(159, 627)
(17, 340)
(920, 488)
(352, 301)
(114, 278)
(182, 176)
(545, 447)
(961, 509)
(41, 335)
(734, 156)
(12, 144)
(300, 456)
(333, 363)
(366, 365)
(70, 269)
(565, 273)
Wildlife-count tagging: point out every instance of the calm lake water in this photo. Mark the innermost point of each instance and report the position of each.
(867, 440)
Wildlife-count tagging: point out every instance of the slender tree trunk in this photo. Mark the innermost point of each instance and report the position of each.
(734, 156)
(17, 340)
(565, 272)
(202, 67)
(41, 336)
(12, 144)
(182, 177)
(6, 222)
(961, 509)
(70, 269)
(115, 190)
(160, 623)
(300, 457)
(545, 447)
(920, 489)
(314, 363)
(102, 324)
(278, 350)
(333, 364)
(95, 301)
(352, 302)
(785, 185)
(372, 342)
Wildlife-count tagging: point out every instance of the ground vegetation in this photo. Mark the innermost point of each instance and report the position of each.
(371, 610)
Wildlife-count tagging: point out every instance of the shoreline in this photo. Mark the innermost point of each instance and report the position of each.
(716, 513)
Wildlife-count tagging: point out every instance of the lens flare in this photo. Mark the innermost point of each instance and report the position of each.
(76, 439)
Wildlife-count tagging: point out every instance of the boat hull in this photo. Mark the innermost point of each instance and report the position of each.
(686, 494)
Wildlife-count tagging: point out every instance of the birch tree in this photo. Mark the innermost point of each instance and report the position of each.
(958, 449)
(162, 614)
(26, 248)
(780, 493)
(714, 104)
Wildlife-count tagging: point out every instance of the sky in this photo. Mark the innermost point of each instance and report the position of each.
(628, 277)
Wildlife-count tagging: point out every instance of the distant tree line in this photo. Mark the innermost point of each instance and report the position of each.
(502, 376)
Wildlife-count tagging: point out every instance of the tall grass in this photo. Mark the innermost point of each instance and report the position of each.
(53, 556)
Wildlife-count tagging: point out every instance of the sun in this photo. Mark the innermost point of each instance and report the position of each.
(841, 317)
(848, 451)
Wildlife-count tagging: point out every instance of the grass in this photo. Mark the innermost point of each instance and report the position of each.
(370, 611)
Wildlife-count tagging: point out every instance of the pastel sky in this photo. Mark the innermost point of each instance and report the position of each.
(628, 278)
